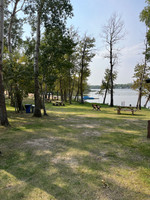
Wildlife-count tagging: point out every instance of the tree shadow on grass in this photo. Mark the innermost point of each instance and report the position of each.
(68, 165)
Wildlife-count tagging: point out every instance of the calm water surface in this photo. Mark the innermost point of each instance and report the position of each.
(121, 96)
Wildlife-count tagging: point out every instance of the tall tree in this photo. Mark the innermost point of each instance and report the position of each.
(85, 56)
(143, 70)
(113, 32)
(140, 74)
(37, 111)
(50, 14)
(17, 6)
(56, 50)
(145, 17)
(12, 32)
(3, 113)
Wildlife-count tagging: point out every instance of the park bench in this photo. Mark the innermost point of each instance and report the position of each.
(96, 107)
(125, 108)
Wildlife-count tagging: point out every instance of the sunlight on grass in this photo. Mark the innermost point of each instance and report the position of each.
(60, 183)
(128, 178)
(37, 193)
(75, 153)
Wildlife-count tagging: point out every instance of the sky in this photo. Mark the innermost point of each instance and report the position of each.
(91, 15)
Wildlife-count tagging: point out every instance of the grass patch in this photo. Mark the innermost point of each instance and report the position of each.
(75, 153)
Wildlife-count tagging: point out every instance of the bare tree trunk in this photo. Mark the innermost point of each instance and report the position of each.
(49, 95)
(43, 98)
(3, 112)
(37, 111)
(71, 93)
(81, 86)
(65, 95)
(44, 108)
(57, 95)
(12, 101)
(45, 91)
(111, 77)
(70, 97)
(82, 66)
(77, 94)
(148, 98)
(18, 99)
(61, 91)
(105, 96)
(106, 90)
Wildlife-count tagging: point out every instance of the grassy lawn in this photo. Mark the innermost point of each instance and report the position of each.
(75, 153)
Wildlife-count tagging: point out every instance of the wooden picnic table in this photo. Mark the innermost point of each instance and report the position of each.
(58, 103)
(125, 108)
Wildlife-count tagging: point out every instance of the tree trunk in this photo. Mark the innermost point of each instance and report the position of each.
(49, 95)
(61, 91)
(57, 95)
(3, 112)
(37, 111)
(65, 95)
(148, 98)
(44, 109)
(45, 91)
(138, 106)
(12, 100)
(43, 98)
(105, 96)
(81, 87)
(18, 99)
(77, 95)
(107, 87)
(71, 93)
(70, 87)
(111, 77)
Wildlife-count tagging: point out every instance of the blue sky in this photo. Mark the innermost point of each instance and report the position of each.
(91, 15)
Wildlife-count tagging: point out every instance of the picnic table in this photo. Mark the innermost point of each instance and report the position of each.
(96, 107)
(125, 108)
(58, 103)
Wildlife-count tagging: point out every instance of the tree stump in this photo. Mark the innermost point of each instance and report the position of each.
(148, 132)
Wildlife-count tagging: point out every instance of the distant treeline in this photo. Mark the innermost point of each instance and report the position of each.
(116, 86)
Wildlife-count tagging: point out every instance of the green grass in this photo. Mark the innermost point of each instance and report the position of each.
(75, 153)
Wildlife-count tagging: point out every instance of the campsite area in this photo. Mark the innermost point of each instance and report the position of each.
(75, 153)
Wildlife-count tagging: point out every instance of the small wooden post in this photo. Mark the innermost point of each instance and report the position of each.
(148, 131)
(118, 111)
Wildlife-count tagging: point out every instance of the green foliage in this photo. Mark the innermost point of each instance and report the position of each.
(123, 86)
(138, 73)
(145, 17)
(116, 86)
(106, 82)
(18, 74)
(53, 13)
(85, 54)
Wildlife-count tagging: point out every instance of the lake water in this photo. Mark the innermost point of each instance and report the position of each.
(121, 96)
